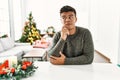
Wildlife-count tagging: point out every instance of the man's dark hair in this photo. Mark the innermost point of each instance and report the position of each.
(67, 9)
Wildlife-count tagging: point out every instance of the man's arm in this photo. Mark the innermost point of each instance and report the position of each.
(58, 42)
(56, 46)
(88, 52)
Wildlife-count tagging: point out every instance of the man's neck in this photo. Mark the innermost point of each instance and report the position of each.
(72, 31)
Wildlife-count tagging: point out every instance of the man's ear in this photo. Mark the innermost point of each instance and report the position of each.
(76, 19)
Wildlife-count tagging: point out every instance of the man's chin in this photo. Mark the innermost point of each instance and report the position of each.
(67, 24)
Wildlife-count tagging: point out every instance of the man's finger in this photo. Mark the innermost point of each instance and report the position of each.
(61, 53)
(52, 60)
(53, 57)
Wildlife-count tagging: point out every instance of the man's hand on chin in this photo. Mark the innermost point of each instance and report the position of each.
(58, 60)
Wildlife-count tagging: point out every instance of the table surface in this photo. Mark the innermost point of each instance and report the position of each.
(95, 71)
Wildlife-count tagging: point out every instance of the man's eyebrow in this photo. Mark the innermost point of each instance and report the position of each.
(71, 15)
(63, 16)
(68, 15)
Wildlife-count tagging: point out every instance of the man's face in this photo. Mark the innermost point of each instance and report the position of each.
(68, 19)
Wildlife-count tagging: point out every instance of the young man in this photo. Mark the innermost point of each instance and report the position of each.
(73, 44)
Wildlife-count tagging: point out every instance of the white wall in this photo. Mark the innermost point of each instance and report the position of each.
(104, 23)
(17, 17)
(119, 43)
(4, 18)
(46, 12)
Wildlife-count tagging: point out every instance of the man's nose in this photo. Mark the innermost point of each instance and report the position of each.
(67, 18)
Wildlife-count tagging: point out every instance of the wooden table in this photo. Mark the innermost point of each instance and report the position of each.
(39, 53)
(95, 71)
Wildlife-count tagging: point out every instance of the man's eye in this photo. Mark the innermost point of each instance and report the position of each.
(63, 17)
(70, 16)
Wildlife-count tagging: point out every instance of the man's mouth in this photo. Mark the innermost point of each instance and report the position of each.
(67, 24)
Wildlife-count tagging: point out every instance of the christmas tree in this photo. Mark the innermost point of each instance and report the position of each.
(30, 32)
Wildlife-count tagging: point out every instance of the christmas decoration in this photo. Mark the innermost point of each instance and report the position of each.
(22, 70)
(50, 31)
(30, 32)
(4, 36)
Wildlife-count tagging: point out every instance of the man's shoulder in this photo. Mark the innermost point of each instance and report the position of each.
(81, 29)
(57, 34)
